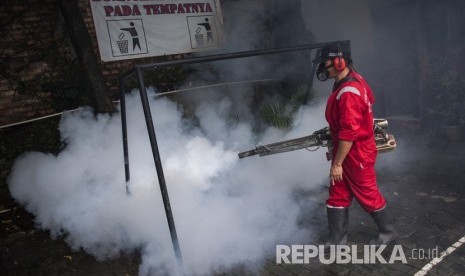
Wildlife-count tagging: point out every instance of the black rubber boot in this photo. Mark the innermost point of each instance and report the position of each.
(337, 224)
(387, 232)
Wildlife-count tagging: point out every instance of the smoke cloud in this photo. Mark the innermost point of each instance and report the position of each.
(227, 211)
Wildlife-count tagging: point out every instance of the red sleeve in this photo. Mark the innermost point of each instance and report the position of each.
(350, 114)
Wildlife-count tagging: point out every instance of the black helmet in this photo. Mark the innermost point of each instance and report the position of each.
(334, 50)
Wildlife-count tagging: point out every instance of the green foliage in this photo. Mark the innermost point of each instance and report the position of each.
(233, 119)
(280, 114)
(275, 114)
(298, 96)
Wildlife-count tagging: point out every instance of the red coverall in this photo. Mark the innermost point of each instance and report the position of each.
(350, 118)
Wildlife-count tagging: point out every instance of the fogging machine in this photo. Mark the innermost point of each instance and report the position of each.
(385, 142)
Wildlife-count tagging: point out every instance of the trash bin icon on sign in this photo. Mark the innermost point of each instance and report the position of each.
(122, 44)
(199, 37)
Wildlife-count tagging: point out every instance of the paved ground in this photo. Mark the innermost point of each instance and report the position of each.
(424, 184)
(426, 194)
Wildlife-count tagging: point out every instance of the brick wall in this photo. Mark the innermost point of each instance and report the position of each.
(26, 41)
(34, 49)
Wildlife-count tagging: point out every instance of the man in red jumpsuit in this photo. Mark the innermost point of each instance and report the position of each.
(352, 173)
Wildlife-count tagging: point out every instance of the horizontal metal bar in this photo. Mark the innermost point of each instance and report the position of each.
(236, 55)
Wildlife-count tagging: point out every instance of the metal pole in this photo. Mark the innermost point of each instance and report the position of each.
(122, 88)
(158, 166)
(310, 79)
(148, 117)
(238, 55)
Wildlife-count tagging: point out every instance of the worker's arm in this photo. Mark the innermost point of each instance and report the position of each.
(336, 167)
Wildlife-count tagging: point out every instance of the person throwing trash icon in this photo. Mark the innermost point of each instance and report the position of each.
(208, 28)
(135, 36)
